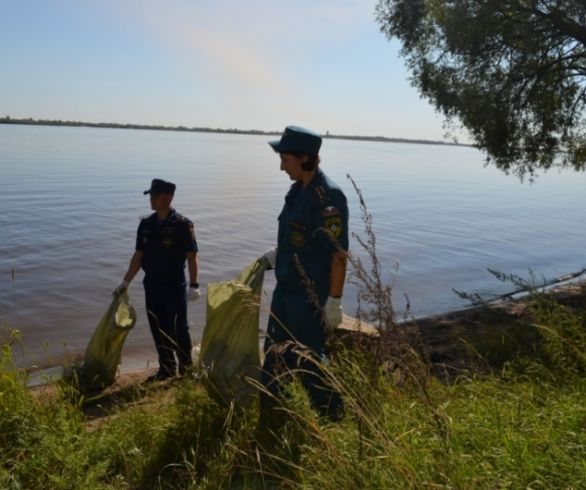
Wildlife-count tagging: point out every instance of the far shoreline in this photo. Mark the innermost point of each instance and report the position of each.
(252, 132)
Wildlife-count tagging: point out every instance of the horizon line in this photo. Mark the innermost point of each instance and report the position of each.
(182, 128)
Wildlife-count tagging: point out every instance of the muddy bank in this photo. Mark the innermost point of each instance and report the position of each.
(479, 338)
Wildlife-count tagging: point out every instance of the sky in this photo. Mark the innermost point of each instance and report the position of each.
(256, 64)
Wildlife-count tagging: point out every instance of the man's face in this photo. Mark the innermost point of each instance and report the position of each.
(160, 201)
(292, 165)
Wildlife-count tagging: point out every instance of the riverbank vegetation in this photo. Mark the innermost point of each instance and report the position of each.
(523, 426)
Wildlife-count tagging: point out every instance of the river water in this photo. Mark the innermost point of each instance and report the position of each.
(71, 199)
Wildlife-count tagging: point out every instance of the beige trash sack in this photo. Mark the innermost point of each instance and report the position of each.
(104, 350)
(230, 354)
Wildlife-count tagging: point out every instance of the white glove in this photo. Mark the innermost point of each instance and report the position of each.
(193, 294)
(269, 258)
(333, 312)
(123, 286)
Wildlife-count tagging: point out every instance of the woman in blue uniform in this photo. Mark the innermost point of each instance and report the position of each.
(310, 268)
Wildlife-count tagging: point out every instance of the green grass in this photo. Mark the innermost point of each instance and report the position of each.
(521, 427)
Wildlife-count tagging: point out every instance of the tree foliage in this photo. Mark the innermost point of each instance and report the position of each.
(513, 72)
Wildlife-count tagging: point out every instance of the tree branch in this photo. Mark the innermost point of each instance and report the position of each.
(564, 25)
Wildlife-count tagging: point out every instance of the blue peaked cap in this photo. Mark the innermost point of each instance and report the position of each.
(297, 140)
(160, 186)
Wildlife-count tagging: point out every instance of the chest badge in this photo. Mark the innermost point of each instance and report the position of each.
(297, 239)
(297, 236)
(167, 242)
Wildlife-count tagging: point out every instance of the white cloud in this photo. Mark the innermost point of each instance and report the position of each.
(254, 61)
(246, 41)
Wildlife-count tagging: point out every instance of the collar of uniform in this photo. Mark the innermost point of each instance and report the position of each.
(171, 215)
(296, 188)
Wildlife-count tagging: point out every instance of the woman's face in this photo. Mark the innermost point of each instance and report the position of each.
(292, 165)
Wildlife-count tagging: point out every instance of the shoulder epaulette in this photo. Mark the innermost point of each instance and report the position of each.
(183, 219)
(321, 194)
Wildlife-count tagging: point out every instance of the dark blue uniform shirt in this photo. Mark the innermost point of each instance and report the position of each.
(165, 246)
(312, 224)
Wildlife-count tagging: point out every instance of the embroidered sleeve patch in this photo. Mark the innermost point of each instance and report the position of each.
(333, 225)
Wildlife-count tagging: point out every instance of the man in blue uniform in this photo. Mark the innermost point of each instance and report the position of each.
(310, 267)
(165, 241)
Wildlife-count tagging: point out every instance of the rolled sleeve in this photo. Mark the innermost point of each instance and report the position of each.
(140, 238)
(189, 238)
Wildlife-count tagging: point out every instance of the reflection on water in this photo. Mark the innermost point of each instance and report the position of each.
(71, 199)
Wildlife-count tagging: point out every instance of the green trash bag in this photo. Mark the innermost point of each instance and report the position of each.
(104, 351)
(229, 354)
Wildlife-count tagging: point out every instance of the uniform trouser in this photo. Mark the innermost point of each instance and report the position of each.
(294, 345)
(167, 313)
